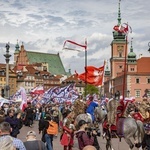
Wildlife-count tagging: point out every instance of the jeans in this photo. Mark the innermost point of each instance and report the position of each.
(49, 140)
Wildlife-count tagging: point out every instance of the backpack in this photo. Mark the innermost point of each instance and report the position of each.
(53, 128)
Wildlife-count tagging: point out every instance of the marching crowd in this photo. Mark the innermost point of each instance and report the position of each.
(53, 119)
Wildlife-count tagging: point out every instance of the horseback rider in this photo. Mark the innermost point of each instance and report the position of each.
(91, 107)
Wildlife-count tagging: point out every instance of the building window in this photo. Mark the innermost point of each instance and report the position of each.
(148, 80)
(120, 67)
(132, 69)
(137, 93)
(120, 54)
(137, 80)
(148, 93)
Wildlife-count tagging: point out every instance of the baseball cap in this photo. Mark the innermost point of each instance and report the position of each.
(82, 122)
(31, 133)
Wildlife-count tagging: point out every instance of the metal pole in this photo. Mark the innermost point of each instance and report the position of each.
(125, 66)
(149, 47)
(7, 56)
(85, 68)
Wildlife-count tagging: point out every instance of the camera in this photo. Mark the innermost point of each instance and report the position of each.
(90, 131)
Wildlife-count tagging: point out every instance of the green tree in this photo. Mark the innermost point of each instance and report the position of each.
(91, 89)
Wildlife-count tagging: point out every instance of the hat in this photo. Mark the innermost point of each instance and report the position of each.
(31, 133)
(147, 126)
(82, 122)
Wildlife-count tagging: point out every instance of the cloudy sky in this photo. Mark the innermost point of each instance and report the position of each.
(44, 26)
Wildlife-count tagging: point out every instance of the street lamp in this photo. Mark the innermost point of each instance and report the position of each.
(7, 56)
(149, 47)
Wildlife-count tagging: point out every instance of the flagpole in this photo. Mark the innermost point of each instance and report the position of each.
(125, 71)
(85, 67)
(85, 47)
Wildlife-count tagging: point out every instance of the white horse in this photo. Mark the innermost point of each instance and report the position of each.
(127, 128)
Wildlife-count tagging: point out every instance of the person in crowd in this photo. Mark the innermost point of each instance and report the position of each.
(37, 113)
(49, 128)
(91, 107)
(67, 137)
(146, 140)
(89, 147)
(14, 121)
(83, 138)
(5, 130)
(43, 113)
(7, 143)
(2, 116)
(13, 107)
(29, 115)
(32, 143)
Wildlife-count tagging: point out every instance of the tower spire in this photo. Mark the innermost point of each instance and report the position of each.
(131, 48)
(119, 14)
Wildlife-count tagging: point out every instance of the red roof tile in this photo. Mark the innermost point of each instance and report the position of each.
(143, 64)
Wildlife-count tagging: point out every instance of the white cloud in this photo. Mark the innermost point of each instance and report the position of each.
(44, 25)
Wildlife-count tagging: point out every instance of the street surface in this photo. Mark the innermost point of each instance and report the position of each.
(57, 146)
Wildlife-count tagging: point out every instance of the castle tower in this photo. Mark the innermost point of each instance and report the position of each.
(118, 48)
(132, 61)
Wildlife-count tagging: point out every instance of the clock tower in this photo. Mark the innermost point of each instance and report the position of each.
(118, 50)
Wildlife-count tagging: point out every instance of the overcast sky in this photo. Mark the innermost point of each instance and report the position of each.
(44, 25)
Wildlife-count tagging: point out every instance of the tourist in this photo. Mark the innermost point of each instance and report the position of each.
(5, 130)
(49, 128)
(7, 143)
(29, 115)
(32, 143)
(14, 121)
(83, 138)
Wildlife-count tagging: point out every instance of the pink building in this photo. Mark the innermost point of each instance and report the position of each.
(128, 75)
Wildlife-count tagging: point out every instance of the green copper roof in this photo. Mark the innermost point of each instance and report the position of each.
(55, 65)
(118, 35)
(131, 54)
(17, 48)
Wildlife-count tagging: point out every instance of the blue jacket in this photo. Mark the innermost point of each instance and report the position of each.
(90, 109)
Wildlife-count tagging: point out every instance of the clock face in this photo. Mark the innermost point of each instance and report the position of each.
(120, 48)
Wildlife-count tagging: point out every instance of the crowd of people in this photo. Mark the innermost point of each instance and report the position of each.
(52, 119)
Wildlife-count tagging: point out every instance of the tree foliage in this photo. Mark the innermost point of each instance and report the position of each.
(91, 89)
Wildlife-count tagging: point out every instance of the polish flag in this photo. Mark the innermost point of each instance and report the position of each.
(37, 90)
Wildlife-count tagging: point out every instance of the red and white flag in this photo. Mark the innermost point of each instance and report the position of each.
(37, 90)
(92, 75)
(74, 43)
(123, 28)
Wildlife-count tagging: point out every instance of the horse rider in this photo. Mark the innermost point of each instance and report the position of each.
(91, 107)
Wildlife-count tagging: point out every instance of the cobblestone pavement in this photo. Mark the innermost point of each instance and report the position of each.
(57, 146)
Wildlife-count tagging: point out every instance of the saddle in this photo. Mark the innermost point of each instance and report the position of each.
(116, 130)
